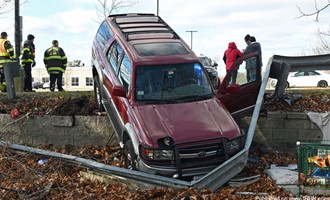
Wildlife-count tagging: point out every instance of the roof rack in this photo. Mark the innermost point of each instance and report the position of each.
(143, 26)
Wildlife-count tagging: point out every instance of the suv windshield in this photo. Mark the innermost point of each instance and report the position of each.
(168, 83)
(205, 61)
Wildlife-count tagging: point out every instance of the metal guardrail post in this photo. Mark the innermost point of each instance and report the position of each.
(11, 70)
(280, 71)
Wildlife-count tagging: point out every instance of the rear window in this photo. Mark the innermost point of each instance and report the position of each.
(160, 49)
(103, 34)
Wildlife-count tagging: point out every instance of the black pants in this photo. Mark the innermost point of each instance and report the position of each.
(27, 76)
(2, 76)
(56, 78)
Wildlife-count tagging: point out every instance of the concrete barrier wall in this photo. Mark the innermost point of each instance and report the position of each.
(57, 130)
(283, 130)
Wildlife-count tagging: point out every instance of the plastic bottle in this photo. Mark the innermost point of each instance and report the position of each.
(42, 161)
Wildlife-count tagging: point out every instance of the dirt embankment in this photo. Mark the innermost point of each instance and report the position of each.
(50, 103)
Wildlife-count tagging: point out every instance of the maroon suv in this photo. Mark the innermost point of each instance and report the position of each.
(160, 100)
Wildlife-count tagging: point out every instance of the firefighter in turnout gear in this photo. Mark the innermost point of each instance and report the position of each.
(55, 61)
(27, 60)
(7, 55)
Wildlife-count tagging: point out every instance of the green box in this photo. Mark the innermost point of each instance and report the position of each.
(314, 167)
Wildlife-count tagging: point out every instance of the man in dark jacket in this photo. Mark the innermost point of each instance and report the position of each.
(28, 61)
(251, 65)
(55, 61)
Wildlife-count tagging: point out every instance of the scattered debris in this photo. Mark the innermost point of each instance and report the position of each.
(236, 182)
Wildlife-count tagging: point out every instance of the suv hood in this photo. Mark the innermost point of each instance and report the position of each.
(185, 122)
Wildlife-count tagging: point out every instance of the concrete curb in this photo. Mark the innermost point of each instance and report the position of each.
(57, 130)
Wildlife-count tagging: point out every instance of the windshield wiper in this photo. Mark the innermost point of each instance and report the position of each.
(158, 101)
(196, 97)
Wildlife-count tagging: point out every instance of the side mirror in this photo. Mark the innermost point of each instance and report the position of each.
(233, 88)
(118, 91)
(215, 64)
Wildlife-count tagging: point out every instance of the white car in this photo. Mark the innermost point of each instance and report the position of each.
(306, 78)
(46, 85)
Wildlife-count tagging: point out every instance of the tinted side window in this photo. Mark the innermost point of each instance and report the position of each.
(302, 73)
(115, 55)
(313, 73)
(160, 49)
(125, 72)
(103, 34)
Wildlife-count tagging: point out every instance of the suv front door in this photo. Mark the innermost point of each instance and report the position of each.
(240, 97)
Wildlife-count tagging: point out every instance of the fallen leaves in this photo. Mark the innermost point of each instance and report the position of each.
(314, 101)
(22, 177)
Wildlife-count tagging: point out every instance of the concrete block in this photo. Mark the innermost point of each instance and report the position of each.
(268, 133)
(57, 130)
(296, 115)
(276, 115)
(297, 124)
(285, 134)
(98, 124)
(272, 123)
(62, 121)
(290, 147)
(310, 135)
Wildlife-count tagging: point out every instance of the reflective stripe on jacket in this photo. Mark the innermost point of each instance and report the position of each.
(55, 60)
(28, 54)
(6, 51)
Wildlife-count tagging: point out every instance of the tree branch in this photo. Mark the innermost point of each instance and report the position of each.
(316, 12)
(108, 7)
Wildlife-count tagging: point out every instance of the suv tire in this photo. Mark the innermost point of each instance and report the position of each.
(98, 94)
(130, 156)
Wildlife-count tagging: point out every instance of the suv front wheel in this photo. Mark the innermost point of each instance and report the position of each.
(129, 156)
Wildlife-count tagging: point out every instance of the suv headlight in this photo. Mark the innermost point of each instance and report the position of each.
(157, 154)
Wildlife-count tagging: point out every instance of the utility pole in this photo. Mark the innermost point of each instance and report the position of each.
(18, 73)
(191, 38)
(157, 7)
(18, 31)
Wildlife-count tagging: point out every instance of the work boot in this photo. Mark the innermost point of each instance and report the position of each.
(2, 88)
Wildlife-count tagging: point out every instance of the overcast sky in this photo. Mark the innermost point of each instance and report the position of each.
(218, 22)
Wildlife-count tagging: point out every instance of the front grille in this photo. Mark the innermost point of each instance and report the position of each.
(200, 155)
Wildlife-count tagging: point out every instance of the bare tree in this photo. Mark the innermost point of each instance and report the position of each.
(6, 6)
(322, 45)
(317, 11)
(107, 7)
